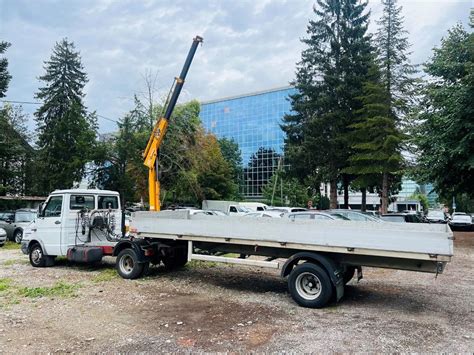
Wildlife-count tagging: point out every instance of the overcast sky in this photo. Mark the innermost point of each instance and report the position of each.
(249, 45)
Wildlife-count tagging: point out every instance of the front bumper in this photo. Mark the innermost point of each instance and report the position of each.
(24, 247)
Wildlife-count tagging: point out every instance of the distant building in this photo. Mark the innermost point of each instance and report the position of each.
(253, 121)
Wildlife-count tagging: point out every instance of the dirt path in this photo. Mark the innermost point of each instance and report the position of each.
(70, 308)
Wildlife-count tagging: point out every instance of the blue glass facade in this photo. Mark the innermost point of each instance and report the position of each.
(253, 121)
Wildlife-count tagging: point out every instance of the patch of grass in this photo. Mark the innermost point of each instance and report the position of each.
(105, 275)
(5, 284)
(9, 245)
(16, 261)
(60, 289)
(200, 264)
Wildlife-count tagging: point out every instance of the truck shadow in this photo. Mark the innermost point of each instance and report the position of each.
(237, 279)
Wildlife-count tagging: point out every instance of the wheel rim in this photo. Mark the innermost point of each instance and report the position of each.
(18, 236)
(126, 264)
(308, 286)
(36, 255)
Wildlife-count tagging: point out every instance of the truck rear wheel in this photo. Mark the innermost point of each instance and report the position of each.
(310, 285)
(127, 264)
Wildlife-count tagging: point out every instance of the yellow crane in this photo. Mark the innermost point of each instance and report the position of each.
(151, 152)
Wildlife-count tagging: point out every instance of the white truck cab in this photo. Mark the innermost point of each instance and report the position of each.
(70, 219)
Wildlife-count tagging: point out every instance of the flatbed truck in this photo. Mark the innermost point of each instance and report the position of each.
(317, 257)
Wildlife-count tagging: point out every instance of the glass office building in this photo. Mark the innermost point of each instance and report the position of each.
(253, 121)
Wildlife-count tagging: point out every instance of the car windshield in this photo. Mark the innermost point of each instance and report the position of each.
(339, 216)
(5, 216)
(22, 217)
(437, 214)
(399, 219)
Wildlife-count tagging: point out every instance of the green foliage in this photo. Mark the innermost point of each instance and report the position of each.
(66, 132)
(328, 81)
(5, 77)
(232, 154)
(11, 246)
(445, 137)
(322, 203)
(207, 176)
(5, 284)
(105, 275)
(464, 203)
(60, 289)
(422, 198)
(285, 191)
(376, 140)
(191, 165)
(393, 51)
(15, 152)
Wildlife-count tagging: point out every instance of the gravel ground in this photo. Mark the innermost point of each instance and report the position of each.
(73, 308)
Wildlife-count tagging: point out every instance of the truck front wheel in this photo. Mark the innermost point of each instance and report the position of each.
(310, 285)
(37, 257)
(127, 264)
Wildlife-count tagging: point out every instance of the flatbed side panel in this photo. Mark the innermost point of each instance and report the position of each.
(432, 240)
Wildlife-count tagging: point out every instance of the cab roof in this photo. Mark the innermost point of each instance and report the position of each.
(85, 191)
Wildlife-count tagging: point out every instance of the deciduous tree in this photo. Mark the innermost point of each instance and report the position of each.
(445, 137)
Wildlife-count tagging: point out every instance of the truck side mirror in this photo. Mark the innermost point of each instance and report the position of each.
(40, 209)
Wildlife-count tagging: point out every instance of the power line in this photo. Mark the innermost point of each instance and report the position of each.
(40, 103)
(22, 102)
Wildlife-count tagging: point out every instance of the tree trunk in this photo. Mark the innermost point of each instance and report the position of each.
(384, 193)
(363, 206)
(333, 194)
(345, 180)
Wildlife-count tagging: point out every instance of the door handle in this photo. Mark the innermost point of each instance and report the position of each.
(57, 222)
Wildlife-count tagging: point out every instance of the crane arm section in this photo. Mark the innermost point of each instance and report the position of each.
(154, 142)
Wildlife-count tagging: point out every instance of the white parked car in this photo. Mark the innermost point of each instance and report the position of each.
(270, 214)
(461, 221)
(287, 209)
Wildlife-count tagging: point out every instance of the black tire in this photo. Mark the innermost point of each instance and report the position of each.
(310, 286)
(18, 236)
(177, 260)
(127, 264)
(349, 274)
(37, 257)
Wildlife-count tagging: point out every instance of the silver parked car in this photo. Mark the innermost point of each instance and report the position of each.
(316, 215)
(3, 237)
(14, 222)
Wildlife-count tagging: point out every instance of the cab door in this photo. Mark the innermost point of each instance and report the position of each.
(49, 225)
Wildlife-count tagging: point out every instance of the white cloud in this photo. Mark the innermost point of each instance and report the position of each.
(248, 45)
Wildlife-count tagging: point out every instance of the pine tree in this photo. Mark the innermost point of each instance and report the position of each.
(328, 80)
(66, 132)
(375, 139)
(5, 77)
(395, 67)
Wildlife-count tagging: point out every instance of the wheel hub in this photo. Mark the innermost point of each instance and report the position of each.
(308, 286)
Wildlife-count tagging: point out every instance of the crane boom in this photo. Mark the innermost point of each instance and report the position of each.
(151, 152)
